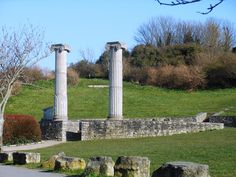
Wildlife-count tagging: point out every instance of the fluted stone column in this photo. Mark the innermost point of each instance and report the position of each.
(60, 97)
(115, 79)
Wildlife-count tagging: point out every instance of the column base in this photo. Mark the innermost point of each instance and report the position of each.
(115, 118)
(53, 129)
(60, 119)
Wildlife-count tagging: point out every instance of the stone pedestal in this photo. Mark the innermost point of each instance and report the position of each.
(53, 130)
(60, 97)
(116, 79)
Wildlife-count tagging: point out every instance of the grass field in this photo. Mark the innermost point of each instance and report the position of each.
(139, 101)
(215, 148)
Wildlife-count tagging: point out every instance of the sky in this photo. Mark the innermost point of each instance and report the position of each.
(90, 24)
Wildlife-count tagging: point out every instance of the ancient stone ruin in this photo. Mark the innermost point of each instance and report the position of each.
(182, 169)
(55, 125)
(60, 96)
(115, 80)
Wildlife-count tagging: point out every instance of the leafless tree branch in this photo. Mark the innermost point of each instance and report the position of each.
(177, 2)
(209, 9)
(18, 49)
(184, 2)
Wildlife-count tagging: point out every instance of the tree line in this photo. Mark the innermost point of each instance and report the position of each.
(175, 54)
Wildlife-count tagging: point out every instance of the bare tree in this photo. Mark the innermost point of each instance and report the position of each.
(213, 35)
(183, 2)
(158, 32)
(18, 49)
(227, 36)
(87, 54)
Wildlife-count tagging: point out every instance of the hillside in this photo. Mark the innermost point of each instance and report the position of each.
(139, 101)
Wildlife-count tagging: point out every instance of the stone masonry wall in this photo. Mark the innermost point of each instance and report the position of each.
(229, 121)
(53, 130)
(135, 128)
(127, 128)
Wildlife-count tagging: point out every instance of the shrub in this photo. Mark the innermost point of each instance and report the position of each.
(48, 74)
(32, 74)
(145, 55)
(17, 86)
(152, 76)
(222, 72)
(179, 77)
(20, 129)
(180, 54)
(85, 69)
(72, 77)
(135, 74)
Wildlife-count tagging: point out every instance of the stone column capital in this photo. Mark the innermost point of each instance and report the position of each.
(116, 45)
(60, 47)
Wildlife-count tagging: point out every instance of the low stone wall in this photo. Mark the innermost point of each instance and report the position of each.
(229, 121)
(127, 128)
(134, 128)
(53, 130)
(73, 126)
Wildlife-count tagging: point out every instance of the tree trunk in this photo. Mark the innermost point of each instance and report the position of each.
(1, 130)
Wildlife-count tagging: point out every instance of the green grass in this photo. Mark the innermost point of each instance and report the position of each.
(215, 148)
(139, 101)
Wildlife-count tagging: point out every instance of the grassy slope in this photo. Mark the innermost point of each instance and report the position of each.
(215, 148)
(139, 101)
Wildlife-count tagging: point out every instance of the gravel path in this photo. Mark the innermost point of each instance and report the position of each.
(12, 171)
(42, 144)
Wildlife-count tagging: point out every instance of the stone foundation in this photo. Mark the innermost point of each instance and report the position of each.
(135, 128)
(127, 128)
(229, 121)
(53, 130)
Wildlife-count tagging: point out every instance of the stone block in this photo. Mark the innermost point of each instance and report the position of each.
(201, 117)
(53, 130)
(22, 158)
(5, 157)
(132, 167)
(229, 121)
(69, 163)
(182, 169)
(50, 163)
(100, 166)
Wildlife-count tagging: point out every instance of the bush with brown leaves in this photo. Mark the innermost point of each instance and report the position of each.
(176, 77)
(20, 129)
(72, 77)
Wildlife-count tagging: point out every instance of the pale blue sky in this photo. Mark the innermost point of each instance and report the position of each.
(91, 23)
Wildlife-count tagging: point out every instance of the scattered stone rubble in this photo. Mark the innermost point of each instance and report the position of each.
(22, 158)
(125, 166)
